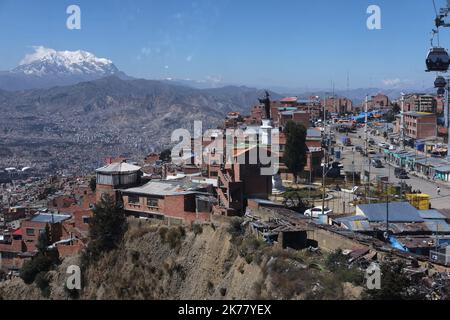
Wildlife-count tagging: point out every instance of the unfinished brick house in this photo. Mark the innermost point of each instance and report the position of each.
(175, 201)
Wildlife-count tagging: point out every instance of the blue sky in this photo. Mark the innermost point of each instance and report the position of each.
(295, 43)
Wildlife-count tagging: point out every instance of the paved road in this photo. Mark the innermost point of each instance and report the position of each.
(362, 163)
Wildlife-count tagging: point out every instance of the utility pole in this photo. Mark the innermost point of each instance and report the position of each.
(324, 159)
(402, 121)
(387, 202)
(366, 143)
(447, 108)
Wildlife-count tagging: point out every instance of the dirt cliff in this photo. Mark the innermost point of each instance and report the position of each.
(156, 262)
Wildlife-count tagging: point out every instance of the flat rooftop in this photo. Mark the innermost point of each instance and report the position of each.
(50, 218)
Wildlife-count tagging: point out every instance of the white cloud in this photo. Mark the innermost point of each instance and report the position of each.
(39, 53)
(146, 51)
(391, 82)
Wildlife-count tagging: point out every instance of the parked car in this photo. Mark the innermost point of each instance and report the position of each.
(377, 163)
(403, 176)
(401, 173)
(359, 149)
(317, 211)
(383, 145)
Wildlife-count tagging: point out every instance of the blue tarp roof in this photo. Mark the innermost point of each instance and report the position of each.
(398, 212)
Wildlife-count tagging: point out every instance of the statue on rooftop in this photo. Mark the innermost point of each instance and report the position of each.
(266, 102)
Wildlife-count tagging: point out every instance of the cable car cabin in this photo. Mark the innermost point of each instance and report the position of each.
(440, 91)
(440, 82)
(437, 60)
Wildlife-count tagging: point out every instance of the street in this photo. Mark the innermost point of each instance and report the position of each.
(361, 163)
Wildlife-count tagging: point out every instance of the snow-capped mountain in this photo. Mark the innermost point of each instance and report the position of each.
(46, 68)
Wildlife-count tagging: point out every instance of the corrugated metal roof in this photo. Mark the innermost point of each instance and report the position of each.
(443, 169)
(48, 217)
(431, 214)
(398, 212)
(119, 167)
(166, 188)
(437, 226)
(355, 223)
(314, 133)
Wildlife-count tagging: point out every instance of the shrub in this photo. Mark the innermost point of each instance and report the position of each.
(162, 233)
(395, 284)
(339, 264)
(43, 283)
(236, 229)
(30, 269)
(210, 287)
(174, 237)
(135, 257)
(197, 229)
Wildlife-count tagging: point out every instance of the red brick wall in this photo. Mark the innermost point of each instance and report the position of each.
(175, 206)
(69, 250)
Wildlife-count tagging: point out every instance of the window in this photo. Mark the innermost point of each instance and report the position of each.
(133, 199)
(86, 219)
(152, 202)
(30, 232)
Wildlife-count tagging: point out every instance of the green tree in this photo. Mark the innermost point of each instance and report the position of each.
(395, 284)
(42, 262)
(93, 184)
(396, 108)
(296, 149)
(106, 228)
(166, 155)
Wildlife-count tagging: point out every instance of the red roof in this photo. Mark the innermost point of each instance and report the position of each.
(289, 99)
(17, 232)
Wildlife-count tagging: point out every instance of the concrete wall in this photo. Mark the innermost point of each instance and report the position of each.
(330, 241)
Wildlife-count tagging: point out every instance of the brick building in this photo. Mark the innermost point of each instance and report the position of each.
(178, 201)
(20, 244)
(115, 176)
(379, 100)
(418, 102)
(418, 125)
(340, 105)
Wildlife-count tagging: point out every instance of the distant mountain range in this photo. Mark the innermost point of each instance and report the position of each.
(78, 125)
(73, 108)
(47, 68)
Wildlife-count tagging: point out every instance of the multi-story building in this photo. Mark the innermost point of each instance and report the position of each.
(379, 101)
(418, 102)
(340, 105)
(418, 125)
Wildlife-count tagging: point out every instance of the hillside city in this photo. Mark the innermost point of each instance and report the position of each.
(118, 187)
(367, 186)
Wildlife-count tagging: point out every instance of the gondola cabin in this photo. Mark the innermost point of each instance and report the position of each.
(437, 60)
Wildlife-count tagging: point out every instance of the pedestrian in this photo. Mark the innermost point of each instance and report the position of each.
(438, 190)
